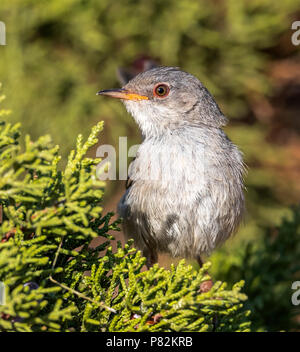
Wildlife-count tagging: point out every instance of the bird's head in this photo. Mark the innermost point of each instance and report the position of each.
(165, 98)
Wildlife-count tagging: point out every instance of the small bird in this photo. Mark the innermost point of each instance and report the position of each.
(184, 193)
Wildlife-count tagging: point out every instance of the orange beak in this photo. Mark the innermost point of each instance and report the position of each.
(122, 94)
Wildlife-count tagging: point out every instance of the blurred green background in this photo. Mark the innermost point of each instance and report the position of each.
(60, 53)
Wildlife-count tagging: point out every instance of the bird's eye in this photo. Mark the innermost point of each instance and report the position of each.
(161, 90)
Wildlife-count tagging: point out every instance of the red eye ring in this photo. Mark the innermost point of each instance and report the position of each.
(161, 90)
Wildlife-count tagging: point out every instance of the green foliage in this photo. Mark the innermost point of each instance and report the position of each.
(268, 265)
(55, 282)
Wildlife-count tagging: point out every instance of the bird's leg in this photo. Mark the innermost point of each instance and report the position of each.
(205, 286)
(152, 258)
(199, 261)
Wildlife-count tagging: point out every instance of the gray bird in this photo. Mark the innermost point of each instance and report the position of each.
(184, 193)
